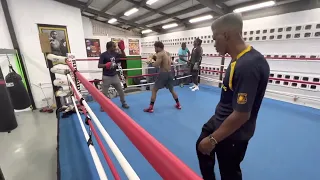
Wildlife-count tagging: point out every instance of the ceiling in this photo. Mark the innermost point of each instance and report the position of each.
(161, 12)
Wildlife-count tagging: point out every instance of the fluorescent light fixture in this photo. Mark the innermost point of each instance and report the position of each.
(149, 2)
(146, 31)
(255, 6)
(131, 11)
(170, 26)
(113, 20)
(202, 18)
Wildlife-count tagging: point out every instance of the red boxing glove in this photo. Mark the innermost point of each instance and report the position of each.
(121, 45)
(110, 65)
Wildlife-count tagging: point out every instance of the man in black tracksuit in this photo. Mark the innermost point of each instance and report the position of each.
(229, 130)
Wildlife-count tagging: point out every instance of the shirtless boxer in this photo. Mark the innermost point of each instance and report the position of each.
(165, 78)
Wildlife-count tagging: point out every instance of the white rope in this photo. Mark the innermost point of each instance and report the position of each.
(131, 174)
(131, 69)
(95, 157)
(314, 98)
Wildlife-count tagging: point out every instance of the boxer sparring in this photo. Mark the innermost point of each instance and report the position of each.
(109, 61)
(165, 78)
(195, 62)
(229, 130)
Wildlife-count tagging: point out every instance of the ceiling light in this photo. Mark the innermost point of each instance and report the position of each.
(149, 2)
(146, 31)
(131, 11)
(202, 18)
(170, 26)
(113, 20)
(255, 6)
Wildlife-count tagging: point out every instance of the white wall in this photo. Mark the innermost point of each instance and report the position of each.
(5, 43)
(103, 32)
(293, 46)
(25, 16)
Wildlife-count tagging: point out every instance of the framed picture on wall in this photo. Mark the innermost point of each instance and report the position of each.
(116, 40)
(58, 38)
(134, 47)
(93, 47)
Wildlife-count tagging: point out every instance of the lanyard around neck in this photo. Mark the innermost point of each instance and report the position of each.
(233, 65)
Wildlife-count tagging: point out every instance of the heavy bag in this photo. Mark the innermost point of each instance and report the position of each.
(8, 120)
(18, 93)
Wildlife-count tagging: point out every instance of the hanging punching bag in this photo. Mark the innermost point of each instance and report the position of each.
(8, 120)
(18, 93)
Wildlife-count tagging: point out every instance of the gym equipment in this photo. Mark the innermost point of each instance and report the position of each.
(60, 82)
(57, 59)
(8, 120)
(56, 70)
(18, 93)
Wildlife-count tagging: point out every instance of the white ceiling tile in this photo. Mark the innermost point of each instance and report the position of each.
(139, 13)
(195, 13)
(100, 4)
(160, 3)
(182, 6)
(149, 18)
(121, 7)
(235, 2)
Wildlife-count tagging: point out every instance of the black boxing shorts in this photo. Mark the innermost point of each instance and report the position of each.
(164, 79)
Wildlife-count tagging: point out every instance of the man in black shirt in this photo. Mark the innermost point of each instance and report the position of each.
(195, 62)
(108, 61)
(228, 132)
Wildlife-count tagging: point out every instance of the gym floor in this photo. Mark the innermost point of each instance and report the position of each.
(29, 151)
(284, 146)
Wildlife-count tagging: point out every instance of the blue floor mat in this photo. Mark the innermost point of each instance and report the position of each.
(285, 145)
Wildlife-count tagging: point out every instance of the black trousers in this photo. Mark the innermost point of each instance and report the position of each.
(229, 153)
(194, 74)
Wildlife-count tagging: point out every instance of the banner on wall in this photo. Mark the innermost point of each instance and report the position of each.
(134, 48)
(116, 40)
(57, 37)
(93, 47)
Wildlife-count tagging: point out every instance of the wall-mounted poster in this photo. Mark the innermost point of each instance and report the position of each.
(93, 47)
(134, 48)
(116, 40)
(58, 38)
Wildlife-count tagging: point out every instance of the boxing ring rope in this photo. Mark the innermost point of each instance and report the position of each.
(93, 152)
(131, 174)
(100, 144)
(314, 98)
(163, 161)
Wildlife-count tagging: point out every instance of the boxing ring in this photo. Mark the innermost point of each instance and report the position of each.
(132, 144)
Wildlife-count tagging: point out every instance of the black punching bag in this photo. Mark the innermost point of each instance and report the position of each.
(8, 120)
(18, 93)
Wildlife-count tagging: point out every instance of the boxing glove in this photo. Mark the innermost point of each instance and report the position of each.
(111, 65)
(60, 82)
(121, 45)
(57, 59)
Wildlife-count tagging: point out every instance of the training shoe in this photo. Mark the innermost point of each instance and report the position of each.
(125, 106)
(178, 106)
(192, 87)
(149, 110)
(196, 88)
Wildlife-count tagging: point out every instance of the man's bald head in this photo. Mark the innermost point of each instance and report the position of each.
(229, 22)
(227, 32)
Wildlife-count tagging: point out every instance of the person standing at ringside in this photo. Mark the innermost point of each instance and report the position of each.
(184, 56)
(195, 62)
(165, 78)
(229, 130)
(108, 62)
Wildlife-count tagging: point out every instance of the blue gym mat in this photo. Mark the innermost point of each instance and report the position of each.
(284, 147)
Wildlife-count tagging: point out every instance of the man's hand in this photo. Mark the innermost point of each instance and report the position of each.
(205, 146)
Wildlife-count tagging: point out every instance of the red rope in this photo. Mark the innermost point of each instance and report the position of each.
(162, 160)
(99, 141)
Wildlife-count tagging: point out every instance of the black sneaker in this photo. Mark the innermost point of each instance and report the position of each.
(125, 106)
